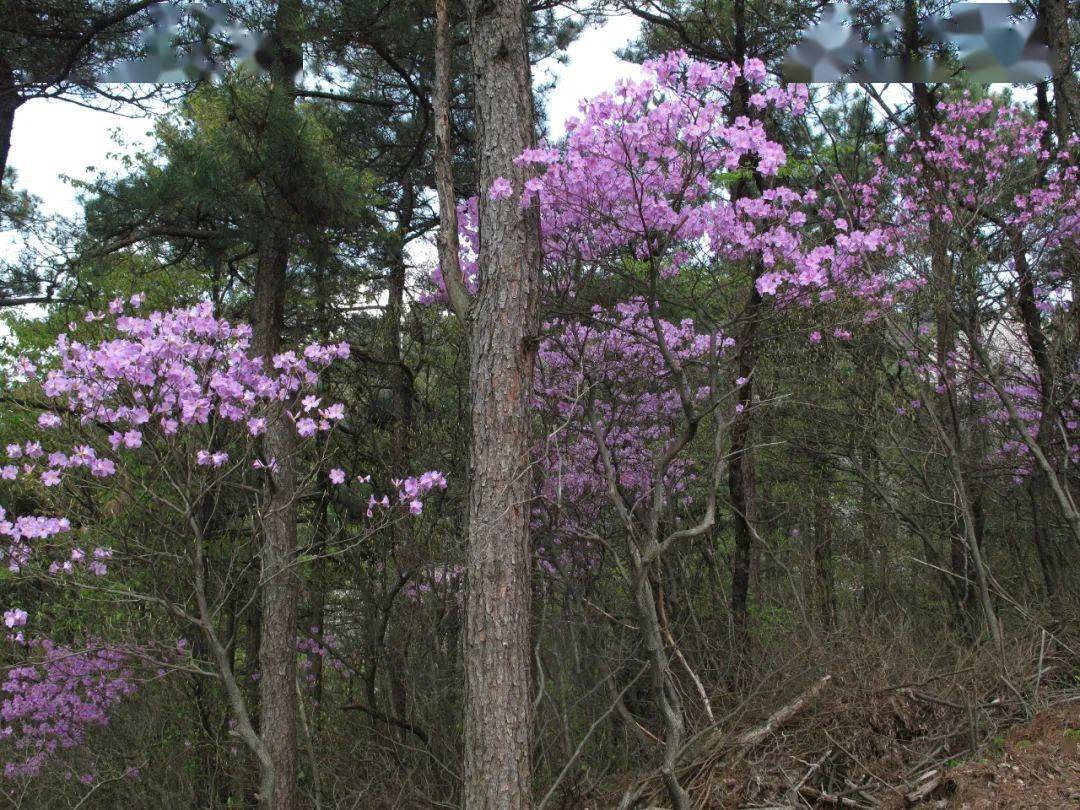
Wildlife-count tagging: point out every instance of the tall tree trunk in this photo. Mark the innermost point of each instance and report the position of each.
(741, 474)
(502, 348)
(9, 102)
(961, 554)
(279, 580)
(401, 385)
(1055, 15)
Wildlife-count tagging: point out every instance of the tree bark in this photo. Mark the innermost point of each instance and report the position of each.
(279, 580)
(9, 102)
(741, 474)
(502, 347)
(279, 583)
(1039, 484)
(1055, 15)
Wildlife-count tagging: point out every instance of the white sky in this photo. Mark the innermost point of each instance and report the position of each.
(53, 139)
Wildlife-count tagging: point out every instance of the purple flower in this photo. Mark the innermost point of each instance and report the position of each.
(49, 420)
(500, 189)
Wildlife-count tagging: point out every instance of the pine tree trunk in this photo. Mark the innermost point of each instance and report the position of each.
(741, 474)
(279, 583)
(504, 327)
(279, 580)
(1055, 15)
(9, 102)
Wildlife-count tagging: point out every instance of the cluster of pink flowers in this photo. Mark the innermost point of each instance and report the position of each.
(636, 174)
(311, 648)
(985, 172)
(645, 172)
(48, 706)
(410, 490)
(613, 372)
(152, 377)
(155, 384)
(19, 533)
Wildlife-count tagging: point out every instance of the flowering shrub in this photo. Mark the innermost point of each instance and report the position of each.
(613, 373)
(171, 397)
(49, 704)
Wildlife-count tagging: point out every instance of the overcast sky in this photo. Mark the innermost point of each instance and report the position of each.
(53, 139)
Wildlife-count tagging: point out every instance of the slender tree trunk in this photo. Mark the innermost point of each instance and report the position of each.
(1039, 483)
(741, 487)
(448, 241)
(400, 380)
(824, 579)
(279, 580)
(961, 554)
(664, 689)
(502, 344)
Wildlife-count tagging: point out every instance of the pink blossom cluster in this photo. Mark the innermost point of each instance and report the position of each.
(614, 373)
(18, 551)
(164, 383)
(411, 490)
(985, 169)
(646, 172)
(141, 384)
(986, 173)
(636, 173)
(49, 705)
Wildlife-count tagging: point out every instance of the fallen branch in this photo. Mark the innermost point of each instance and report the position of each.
(419, 733)
(822, 797)
(781, 717)
(931, 782)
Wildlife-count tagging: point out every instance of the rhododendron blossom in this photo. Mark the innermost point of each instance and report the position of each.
(145, 389)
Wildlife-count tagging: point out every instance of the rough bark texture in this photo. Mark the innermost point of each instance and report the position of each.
(741, 474)
(279, 582)
(9, 102)
(505, 322)
(1055, 14)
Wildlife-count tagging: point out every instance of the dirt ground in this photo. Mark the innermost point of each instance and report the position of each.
(1034, 766)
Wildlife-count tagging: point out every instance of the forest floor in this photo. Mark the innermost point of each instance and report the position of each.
(938, 743)
(1035, 765)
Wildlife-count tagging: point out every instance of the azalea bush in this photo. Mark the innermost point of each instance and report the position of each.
(166, 408)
